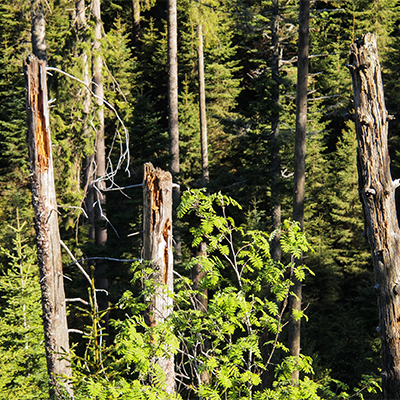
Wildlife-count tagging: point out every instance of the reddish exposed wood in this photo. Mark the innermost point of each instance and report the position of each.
(157, 248)
(377, 193)
(46, 224)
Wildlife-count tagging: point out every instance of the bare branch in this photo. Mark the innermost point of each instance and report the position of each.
(85, 274)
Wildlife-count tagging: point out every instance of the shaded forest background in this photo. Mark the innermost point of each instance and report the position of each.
(341, 332)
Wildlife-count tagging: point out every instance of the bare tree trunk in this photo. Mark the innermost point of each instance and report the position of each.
(202, 106)
(173, 122)
(45, 211)
(157, 247)
(46, 225)
(299, 167)
(88, 170)
(99, 197)
(377, 193)
(275, 143)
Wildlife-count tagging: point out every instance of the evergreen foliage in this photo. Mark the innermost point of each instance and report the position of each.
(23, 361)
(340, 334)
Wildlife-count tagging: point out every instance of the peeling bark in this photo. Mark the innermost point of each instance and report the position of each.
(46, 225)
(377, 194)
(157, 248)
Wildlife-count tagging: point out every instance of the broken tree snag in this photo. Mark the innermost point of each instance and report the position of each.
(46, 226)
(157, 249)
(377, 193)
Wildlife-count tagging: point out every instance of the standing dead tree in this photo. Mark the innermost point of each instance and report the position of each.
(377, 193)
(46, 225)
(157, 248)
(45, 210)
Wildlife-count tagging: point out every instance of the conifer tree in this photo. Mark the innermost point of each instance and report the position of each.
(23, 359)
(299, 168)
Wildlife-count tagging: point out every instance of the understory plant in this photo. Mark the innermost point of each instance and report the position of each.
(227, 330)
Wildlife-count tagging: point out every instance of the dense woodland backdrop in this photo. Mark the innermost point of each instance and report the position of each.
(341, 331)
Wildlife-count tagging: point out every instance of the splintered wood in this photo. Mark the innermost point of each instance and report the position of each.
(157, 249)
(377, 193)
(37, 111)
(46, 226)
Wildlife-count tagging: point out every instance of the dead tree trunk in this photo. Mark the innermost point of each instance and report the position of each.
(377, 193)
(157, 247)
(96, 189)
(173, 117)
(46, 225)
(202, 107)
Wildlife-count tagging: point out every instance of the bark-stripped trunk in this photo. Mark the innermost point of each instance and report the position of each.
(197, 273)
(202, 107)
(45, 210)
(99, 197)
(299, 167)
(173, 126)
(377, 193)
(173, 122)
(88, 170)
(157, 247)
(46, 225)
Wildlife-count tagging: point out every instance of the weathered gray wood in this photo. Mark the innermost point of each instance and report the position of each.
(46, 224)
(377, 193)
(157, 248)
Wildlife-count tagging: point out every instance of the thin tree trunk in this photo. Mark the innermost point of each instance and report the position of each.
(275, 172)
(136, 23)
(299, 167)
(157, 247)
(197, 273)
(377, 194)
(100, 229)
(202, 106)
(275, 143)
(173, 125)
(88, 170)
(173, 122)
(46, 226)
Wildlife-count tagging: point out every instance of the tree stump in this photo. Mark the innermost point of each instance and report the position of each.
(157, 248)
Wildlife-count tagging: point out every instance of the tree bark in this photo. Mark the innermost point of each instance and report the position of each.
(275, 142)
(275, 170)
(377, 194)
(202, 107)
(98, 195)
(173, 121)
(46, 226)
(88, 170)
(299, 167)
(136, 23)
(45, 210)
(157, 247)
(173, 87)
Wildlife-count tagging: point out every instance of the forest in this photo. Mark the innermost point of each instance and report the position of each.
(272, 297)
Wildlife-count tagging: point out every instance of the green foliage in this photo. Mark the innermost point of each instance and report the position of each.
(249, 300)
(22, 355)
